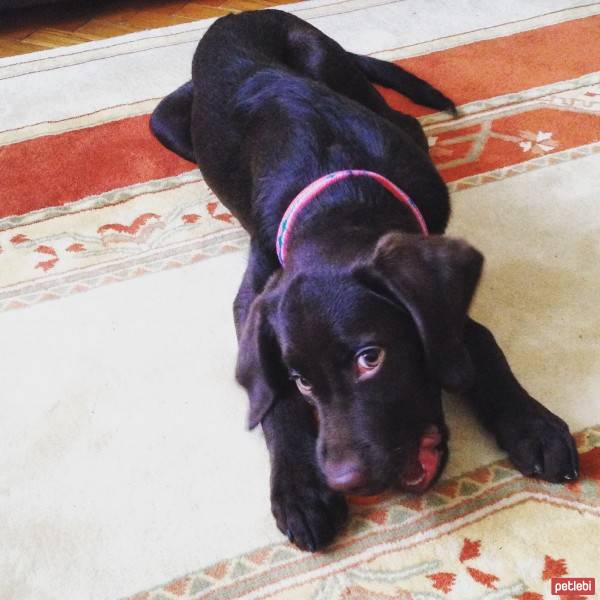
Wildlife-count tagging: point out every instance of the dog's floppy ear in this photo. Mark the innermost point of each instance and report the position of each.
(260, 367)
(171, 122)
(434, 278)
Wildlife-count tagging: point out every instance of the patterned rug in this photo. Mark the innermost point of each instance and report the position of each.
(88, 198)
(68, 224)
(484, 534)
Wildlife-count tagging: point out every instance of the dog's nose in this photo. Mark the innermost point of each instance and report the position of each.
(345, 476)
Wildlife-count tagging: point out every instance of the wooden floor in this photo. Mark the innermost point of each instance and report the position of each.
(40, 28)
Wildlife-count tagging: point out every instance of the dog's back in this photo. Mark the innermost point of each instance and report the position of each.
(369, 316)
(268, 86)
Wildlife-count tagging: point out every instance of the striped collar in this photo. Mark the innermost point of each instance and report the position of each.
(311, 191)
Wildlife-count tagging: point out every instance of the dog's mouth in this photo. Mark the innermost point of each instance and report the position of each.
(428, 463)
(419, 475)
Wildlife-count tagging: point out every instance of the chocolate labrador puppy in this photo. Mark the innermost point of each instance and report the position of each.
(345, 350)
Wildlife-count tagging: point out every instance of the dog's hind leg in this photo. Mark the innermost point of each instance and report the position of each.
(396, 78)
(171, 122)
(315, 55)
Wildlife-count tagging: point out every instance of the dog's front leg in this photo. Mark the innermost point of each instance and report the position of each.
(537, 441)
(307, 511)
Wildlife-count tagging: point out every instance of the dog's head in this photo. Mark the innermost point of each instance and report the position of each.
(370, 347)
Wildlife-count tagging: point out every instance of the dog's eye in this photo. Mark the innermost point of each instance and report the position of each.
(369, 360)
(303, 385)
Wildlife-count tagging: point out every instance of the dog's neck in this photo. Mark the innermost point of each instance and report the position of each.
(322, 240)
(344, 246)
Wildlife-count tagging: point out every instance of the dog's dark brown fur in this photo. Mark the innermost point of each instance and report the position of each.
(274, 104)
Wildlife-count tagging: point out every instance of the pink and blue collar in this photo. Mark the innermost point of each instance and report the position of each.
(310, 192)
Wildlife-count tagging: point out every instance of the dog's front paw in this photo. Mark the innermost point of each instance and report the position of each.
(307, 512)
(539, 444)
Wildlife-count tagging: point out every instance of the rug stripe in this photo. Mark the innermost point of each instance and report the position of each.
(61, 168)
(508, 64)
(54, 170)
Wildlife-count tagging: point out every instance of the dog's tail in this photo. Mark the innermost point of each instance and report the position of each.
(396, 78)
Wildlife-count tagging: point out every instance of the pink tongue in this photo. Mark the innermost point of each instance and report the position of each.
(429, 456)
(428, 459)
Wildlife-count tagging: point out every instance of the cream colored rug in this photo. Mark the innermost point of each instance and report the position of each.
(124, 459)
